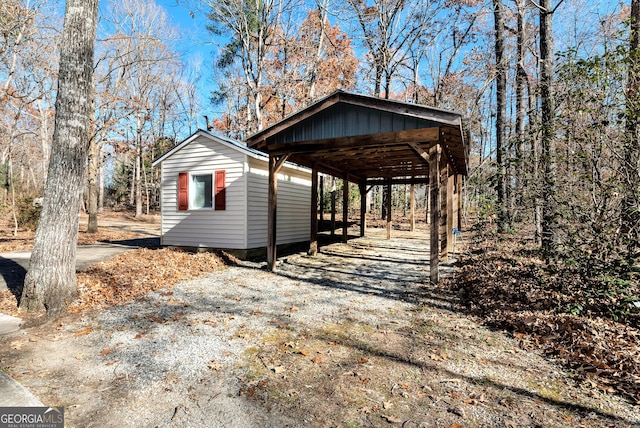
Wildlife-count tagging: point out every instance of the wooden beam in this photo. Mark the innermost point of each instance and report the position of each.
(368, 141)
(280, 161)
(333, 206)
(362, 185)
(434, 207)
(450, 209)
(313, 239)
(389, 209)
(412, 208)
(321, 195)
(409, 180)
(272, 213)
(420, 151)
(275, 164)
(444, 212)
(459, 184)
(345, 208)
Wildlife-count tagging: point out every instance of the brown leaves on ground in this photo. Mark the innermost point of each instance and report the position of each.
(23, 241)
(129, 276)
(135, 273)
(513, 291)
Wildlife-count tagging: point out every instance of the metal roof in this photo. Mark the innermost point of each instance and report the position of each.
(365, 137)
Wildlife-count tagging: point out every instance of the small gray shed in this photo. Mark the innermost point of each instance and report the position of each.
(214, 195)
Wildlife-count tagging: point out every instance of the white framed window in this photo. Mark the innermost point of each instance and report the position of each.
(201, 191)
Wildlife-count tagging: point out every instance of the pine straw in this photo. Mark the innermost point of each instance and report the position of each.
(513, 292)
(129, 276)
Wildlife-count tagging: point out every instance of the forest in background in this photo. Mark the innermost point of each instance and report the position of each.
(547, 91)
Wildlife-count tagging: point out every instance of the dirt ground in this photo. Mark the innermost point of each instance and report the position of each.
(353, 337)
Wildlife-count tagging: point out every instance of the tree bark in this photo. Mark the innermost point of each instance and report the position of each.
(501, 103)
(92, 186)
(630, 209)
(50, 282)
(521, 80)
(549, 207)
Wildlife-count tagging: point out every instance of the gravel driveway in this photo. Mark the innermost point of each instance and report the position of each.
(236, 349)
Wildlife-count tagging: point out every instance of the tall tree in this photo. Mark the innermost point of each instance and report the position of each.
(250, 24)
(501, 111)
(631, 206)
(520, 107)
(389, 29)
(549, 208)
(50, 282)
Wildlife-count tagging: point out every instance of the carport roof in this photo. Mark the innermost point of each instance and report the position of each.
(366, 137)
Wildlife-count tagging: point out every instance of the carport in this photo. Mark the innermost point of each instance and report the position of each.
(371, 141)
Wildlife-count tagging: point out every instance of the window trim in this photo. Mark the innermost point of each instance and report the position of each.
(186, 190)
(193, 193)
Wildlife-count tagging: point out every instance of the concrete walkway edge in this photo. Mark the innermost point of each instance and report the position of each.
(13, 394)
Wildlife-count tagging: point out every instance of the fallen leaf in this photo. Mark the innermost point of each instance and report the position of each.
(105, 351)
(391, 419)
(318, 360)
(214, 365)
(303, 352)
(83, 332)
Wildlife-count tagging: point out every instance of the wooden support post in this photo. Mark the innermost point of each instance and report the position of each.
(271, 215)
(459, 189)
(313, 240)
(321, 178)
(412, 207)
(363, 206)
(434, 208)
(450, 209)
(444, 222)
(345, 208)
(427, 205)
(389, 209)
(333, 206)
(274, 166)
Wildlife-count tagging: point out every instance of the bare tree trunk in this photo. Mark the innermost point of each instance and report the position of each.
(100, 185)
(501, 98)
(138, 176)
(138, 180)
(146, 187)
(132, 189)
(630, 213)
(50, 282)
(521, 77)
(92, 186)
(549, 207)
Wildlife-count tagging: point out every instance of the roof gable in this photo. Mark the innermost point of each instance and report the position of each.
(229, 142)
(365, 137)
(225, 141)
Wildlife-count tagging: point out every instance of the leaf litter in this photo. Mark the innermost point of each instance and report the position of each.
(389, 349)
(507, 289)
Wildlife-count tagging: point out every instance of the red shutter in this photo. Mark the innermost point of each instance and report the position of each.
(221, 191)
(183, 191)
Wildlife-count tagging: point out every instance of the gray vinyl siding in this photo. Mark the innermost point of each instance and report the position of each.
(205, 228)
(294, 204)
